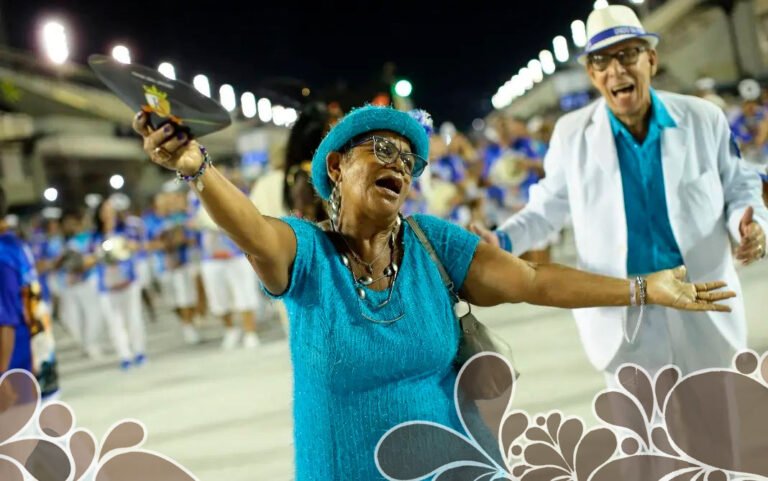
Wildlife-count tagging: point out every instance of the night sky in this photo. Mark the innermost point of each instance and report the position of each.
(455, 55)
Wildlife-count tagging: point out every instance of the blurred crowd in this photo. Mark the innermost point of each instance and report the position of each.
(107, 269)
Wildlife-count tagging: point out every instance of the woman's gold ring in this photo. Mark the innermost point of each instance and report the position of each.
(162, 153)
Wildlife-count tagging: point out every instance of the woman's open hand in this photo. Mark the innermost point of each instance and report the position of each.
(668, 288)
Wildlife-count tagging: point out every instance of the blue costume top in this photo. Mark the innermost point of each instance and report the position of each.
(80, 243)
(652, 245)
(745, 127)
(16, 271)
(114, 275)
(157, 227)
(136, 230)
(47, 248)
(153, 224)
(355, 379)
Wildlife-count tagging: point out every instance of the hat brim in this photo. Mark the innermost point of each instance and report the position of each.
(651, 38)
(360, 121)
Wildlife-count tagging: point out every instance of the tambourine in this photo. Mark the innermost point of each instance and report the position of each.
(507, 171)
(115, 250)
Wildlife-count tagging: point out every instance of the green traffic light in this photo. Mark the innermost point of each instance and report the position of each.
(403, 88)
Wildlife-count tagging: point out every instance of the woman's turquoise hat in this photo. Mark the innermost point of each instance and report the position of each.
(416, 126)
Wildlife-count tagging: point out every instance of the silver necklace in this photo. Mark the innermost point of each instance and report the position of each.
(364, 281)
(369, 265)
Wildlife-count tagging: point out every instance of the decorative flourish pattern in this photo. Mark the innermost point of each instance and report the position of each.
(711, 425)
(43, 443)
(707, 426)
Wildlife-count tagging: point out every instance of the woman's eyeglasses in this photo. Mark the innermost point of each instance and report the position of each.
(387, 152)
(626, 57)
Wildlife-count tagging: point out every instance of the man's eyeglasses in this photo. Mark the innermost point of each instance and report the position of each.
(387, 152)
(626, 57)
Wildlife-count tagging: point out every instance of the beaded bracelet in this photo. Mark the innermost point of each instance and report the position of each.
(197, 175)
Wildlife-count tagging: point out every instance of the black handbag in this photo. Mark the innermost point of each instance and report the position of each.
(476, 337)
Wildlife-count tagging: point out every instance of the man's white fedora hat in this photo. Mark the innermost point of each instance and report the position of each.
(611, 25)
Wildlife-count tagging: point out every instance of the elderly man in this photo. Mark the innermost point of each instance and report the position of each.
(652, 180)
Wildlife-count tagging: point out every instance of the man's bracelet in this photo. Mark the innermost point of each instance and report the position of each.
(638, 291)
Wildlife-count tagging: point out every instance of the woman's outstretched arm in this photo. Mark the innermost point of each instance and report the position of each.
(497, 277)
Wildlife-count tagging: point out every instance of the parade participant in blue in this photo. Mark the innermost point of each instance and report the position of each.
(118, 286)
(230, 284)
(78, 312)
(17, 273)
(47, 245)
(748, 128)
(652, 180)
(137, 231)
(174, 241)
(153, 221)
(196, 253)
(26, 335)
(373, 332)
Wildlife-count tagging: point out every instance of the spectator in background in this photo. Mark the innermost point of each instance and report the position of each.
(306, 134)
(445, 191)
(513, 169)
(268, 191)
(452, 186)
(750, 127)
(508, 164)
(115, 245)
(705, 88)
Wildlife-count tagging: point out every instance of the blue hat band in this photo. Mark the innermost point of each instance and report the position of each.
(613, 32)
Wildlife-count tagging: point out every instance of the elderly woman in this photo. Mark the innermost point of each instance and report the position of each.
(373, 332)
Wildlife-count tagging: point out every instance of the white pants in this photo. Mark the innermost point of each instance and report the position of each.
(665, 338)
(231, 285)
(81, 314)
(122, 311)
(143, 273)
(179, 287)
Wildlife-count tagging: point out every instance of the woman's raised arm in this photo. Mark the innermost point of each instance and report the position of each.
(269, 242)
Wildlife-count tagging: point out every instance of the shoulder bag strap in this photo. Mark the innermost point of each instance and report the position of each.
(431, 251)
